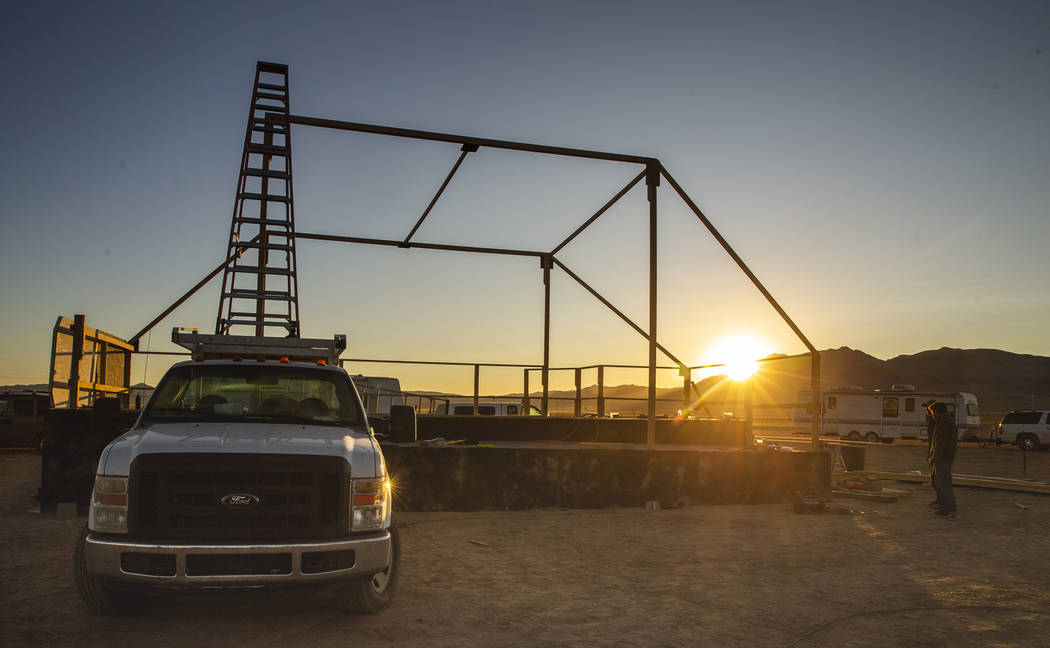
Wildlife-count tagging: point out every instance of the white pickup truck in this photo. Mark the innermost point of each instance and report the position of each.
(251, 465)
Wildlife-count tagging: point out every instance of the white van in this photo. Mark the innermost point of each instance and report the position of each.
(899, 413)
(1029, 429)
(507, 408)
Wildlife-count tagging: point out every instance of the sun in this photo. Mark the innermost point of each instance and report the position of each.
(739, 353)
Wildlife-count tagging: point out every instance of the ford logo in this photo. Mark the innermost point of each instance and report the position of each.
(239, 500)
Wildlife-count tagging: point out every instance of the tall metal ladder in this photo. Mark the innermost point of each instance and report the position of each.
(259, 285)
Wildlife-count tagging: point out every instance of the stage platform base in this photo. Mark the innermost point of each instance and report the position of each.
(522, 475)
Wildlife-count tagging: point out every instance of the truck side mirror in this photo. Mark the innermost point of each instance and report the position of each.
(402, 423)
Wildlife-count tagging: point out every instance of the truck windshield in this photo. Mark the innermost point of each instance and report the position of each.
(252, 392)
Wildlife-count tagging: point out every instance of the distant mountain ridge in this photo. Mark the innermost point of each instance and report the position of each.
(1002, 381)
(34, 387)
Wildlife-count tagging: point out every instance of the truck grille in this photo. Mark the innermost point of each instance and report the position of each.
(232, 497)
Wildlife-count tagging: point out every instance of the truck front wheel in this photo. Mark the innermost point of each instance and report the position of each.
(93, 591)
(375, 593)
(1029, 442)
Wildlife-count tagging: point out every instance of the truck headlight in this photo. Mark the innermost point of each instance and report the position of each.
(371, 504)
(109, 505)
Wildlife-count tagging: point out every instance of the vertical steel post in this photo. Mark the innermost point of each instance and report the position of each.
(74, 361)
(652, 181)
(477, 380)
(545, 374)
(103, 364)
(687, 384)
(601, 391)
(526, 401)
(578, 410)
(817, 406)
(127, 380)
(749, 386)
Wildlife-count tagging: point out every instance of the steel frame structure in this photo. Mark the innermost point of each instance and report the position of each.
(651, 172)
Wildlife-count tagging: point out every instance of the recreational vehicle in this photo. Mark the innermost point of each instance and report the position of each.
(507, 408)
(900, 413)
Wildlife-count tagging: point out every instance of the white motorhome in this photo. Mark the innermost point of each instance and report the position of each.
(505, 408)
(900, 413)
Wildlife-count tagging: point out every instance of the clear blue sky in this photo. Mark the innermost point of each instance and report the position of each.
(884, 167)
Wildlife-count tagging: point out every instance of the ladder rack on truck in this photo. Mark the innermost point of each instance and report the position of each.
(249, 347)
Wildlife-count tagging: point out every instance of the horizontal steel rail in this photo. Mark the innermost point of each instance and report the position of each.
(433, 136)
(440, 362)
(424, 246)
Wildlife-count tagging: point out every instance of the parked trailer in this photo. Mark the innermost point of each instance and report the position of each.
(500, 408)
(900, 413)
(378, 393)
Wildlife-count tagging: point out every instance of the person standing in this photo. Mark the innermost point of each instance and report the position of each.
(936, 503)
(943, 442)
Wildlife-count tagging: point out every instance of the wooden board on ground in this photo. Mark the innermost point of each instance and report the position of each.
(870, 496)
(1001, 483)
(588, 445)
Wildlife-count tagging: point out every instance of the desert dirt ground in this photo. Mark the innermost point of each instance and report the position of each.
(862, 574)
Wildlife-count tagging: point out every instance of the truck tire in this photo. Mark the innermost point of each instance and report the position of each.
(871, 437)
(93, 591)
(375, 593)
(1028, 442)
(853, 436)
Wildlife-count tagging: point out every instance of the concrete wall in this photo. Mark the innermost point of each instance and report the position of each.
(707, 432)
(436, 478)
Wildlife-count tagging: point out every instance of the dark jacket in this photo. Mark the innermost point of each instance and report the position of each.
(943, 440)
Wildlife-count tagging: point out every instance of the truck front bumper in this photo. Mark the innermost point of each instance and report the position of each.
(236, 565)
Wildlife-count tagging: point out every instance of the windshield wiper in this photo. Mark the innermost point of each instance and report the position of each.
(176, 411)
(287, 418)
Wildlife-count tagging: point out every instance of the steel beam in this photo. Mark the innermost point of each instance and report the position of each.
(467, 148)
(601, 391)
(419, 362)
(578, 405)
(425, 246)
(815, 355)
(545, 374)
(627, 320)
(134, 340)
(605, 207)
(78, 329)
(687, 383)
(652, 181)
(465, 139)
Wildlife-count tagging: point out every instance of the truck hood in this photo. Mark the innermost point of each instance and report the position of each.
(353, 444)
